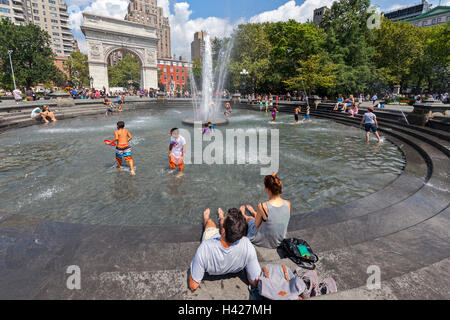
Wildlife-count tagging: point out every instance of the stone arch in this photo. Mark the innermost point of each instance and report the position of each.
(105, 35)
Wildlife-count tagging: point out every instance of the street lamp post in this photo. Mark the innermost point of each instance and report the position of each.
(91, 80)
(244, 74)
(12, 69)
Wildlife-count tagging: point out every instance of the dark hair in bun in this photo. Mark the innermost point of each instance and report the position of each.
(274, 184)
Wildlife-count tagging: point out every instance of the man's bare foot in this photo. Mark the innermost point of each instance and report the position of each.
(206, 215)
(133, 173)
(221, 215)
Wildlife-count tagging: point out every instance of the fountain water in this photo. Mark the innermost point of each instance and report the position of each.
(210, 105)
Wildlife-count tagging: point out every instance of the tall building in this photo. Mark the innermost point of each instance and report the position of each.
(408, 12)
(49, 15)
(147, 12)
(198, 45)
(318, 14)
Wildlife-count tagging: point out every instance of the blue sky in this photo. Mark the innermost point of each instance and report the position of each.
(218, 17)
(248, 8)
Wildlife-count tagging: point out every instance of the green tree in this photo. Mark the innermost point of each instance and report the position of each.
(78, 68)
(399, 45)
(315, 75)
(251, 52)
(433, 67)
(32, 57)
(348, 43)
(197, 69)
(291, 42)
(125, 71)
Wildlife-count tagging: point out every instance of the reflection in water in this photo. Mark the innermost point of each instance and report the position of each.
(64, 172)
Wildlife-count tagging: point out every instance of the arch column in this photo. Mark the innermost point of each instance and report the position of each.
(99, 72)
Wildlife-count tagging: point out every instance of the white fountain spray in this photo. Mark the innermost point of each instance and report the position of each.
(222, 70)
(207, 105)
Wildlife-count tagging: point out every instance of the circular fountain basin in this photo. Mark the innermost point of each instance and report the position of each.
(64, 172)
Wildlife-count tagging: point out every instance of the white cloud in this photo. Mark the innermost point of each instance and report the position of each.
(166, 7)
(290, 10)
(183, 28)
(109, 8)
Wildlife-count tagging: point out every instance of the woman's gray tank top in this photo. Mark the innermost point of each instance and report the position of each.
(271, 232)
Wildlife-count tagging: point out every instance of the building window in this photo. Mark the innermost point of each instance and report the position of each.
(4, 2)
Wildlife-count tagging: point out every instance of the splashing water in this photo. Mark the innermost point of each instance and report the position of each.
(207, 105)
(213, 81)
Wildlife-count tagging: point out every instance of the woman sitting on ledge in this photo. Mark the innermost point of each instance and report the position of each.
(268, 226)
(348, 103)
(339, 102)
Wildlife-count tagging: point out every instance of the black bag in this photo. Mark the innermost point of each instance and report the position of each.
(290, 250)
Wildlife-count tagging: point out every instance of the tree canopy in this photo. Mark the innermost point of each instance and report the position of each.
(78, 68)
(342, 55)
(32, 57)
(127, 70)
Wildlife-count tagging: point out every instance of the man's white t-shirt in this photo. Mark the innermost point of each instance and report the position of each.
(212, 257)
(35, 112)
(178, 144)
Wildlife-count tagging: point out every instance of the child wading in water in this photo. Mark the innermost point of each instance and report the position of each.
(297, 112)
(307, 116)
(274, 114)
(122, 136)
(177, 149)
(370, 123)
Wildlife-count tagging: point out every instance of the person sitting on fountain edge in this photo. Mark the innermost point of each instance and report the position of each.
(224, 251)
(177, 149)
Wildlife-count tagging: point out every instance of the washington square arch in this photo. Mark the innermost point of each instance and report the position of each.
(106, 35)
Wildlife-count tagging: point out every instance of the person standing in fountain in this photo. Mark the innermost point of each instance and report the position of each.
(297, 112)
(123, 137)
(177, 149)
(370, 123)
(274, 114)
(307, 115)
(268, 225)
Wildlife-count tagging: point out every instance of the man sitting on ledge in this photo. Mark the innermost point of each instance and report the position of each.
(224, 251)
